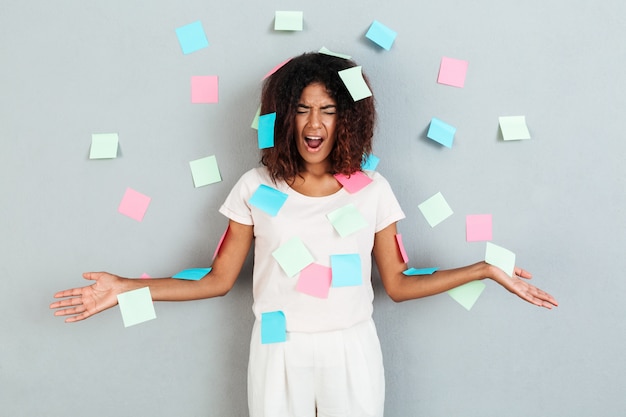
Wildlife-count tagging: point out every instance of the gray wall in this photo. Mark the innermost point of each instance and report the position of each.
(69, 69)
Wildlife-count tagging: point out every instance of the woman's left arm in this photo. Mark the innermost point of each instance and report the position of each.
(401, 287)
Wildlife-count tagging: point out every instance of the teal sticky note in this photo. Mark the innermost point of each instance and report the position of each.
(467, 294)
(273, 327)
(346, 270)
(268, 199)
(421, 271)
(192, 37)
(381, 35)
(370, 162)
(347, 220)
(441, 132)
(293, 256)
(192, 274)
(103, 146)
(205, 171)
(266, 130)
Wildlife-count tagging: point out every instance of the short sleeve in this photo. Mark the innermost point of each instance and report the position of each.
(388, 208)
(236, 206)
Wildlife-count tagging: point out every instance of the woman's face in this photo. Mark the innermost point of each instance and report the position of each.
(316, 121)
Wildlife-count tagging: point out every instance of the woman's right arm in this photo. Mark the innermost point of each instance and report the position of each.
(81, 303)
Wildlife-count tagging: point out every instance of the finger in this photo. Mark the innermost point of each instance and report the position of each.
(67, 302)
(70, 311)
(523, 273)
(78, 317)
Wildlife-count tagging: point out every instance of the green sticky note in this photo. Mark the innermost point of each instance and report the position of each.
(500, 257)
(103, 146)
(435, 209)
(293, 256)
(284, 20)
(347, 220)
(205, 171)
(467, 294)
(514, 128)
(355, 83)
(255, 120)
(326, 51)
(136, 306)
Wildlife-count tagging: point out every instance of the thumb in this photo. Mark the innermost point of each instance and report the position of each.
(92, 276)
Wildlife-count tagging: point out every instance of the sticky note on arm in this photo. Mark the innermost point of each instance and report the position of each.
(500, 257)
(136, 306)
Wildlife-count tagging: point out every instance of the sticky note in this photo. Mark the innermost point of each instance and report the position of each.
(500, 257)
(452, 72)
(293, 256)
(478, 227)
(103, 146)
(346, 270)
(355, 83)
(355, 182)
(145, 276)
(467, 294)
(136, 306)
(420, 271)
(326, 51)
(204, 89)
(288, 20)
(192, 37)
(134, 204)
(381, 35)
(315, 280)
(219, 244)
(347, 220)
(403, 254)
(441, 132)
(514, 128)
(255, 120)
(370, 162)
(273, 327)
(276, 68)
(435, 209)
(266, 130)
(205, 171)
(268, 199)
(192, 274)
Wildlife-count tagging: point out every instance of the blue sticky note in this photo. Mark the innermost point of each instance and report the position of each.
(381, 35)
(192, 37)
(346, 270)
(370, 163)
(268, 199)
(422, 271)
(273, 327)
(192, 274)
(266, 130)
(441, 132)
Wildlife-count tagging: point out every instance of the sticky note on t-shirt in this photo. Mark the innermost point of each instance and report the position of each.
(355, 83)
(136, 306)
(315, 280)
(273, 327)
(293, 256)
(354, 182)
(266, 130)
(370, 162)
(103, 146)
(467, 294)
(268, 199)
(435, 209)
(192, 274)
(500, 257)
(346, 270)
(347, 220)
(134, 204)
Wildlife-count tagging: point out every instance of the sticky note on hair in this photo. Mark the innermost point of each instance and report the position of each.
(205, 171)
(136, 306)
(288, 20)
(293, 256)
(435, 209)
(452, 72)
(134, 204)
(441, 132)
(273, 327)
(347, 220)
(103, 146)
(266, 130)
(467, 294)
(192, 274)
(514, 128)
(381, 35)
(326, 51)
(500, 257)
(346, 270)
(192, 37)
(268, 199)
(355, 83)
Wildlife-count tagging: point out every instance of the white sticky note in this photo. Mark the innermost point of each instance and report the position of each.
(500, 257)
(136, 306)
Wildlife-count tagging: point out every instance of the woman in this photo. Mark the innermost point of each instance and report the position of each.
(317, 233)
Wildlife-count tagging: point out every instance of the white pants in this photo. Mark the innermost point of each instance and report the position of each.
(329, 374)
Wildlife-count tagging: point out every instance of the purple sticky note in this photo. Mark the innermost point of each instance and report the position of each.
(315, 280)
(134, 204)
(452, 72)
(478, 227)
(204, 89)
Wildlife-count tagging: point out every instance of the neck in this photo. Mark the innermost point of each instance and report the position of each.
(315, 181)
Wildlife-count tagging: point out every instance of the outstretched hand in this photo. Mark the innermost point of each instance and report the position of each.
(527, 291)
(84, 302)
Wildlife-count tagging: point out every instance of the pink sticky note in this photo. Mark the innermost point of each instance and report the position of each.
(478, 227)
(219, 244)
(315, 280)
(145, 276)
(134, 204)
(452, 72)
(276, 68)
(354, 182)
(204, 89)
(405, 257)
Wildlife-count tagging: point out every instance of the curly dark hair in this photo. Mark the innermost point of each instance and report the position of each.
(355, 119)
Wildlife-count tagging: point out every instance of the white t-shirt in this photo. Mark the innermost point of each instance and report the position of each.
(305, 218)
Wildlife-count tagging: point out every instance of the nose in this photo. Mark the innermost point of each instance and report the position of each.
(315, 119)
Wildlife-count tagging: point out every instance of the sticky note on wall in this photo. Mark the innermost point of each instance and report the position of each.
(205, 171)
(104, 146)
(381, 35)
(134, 204)
(435, 209)
(204, 89)
(452, 72)
(192, 37)
(514, 128)
(441, 132)
(288, 20)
